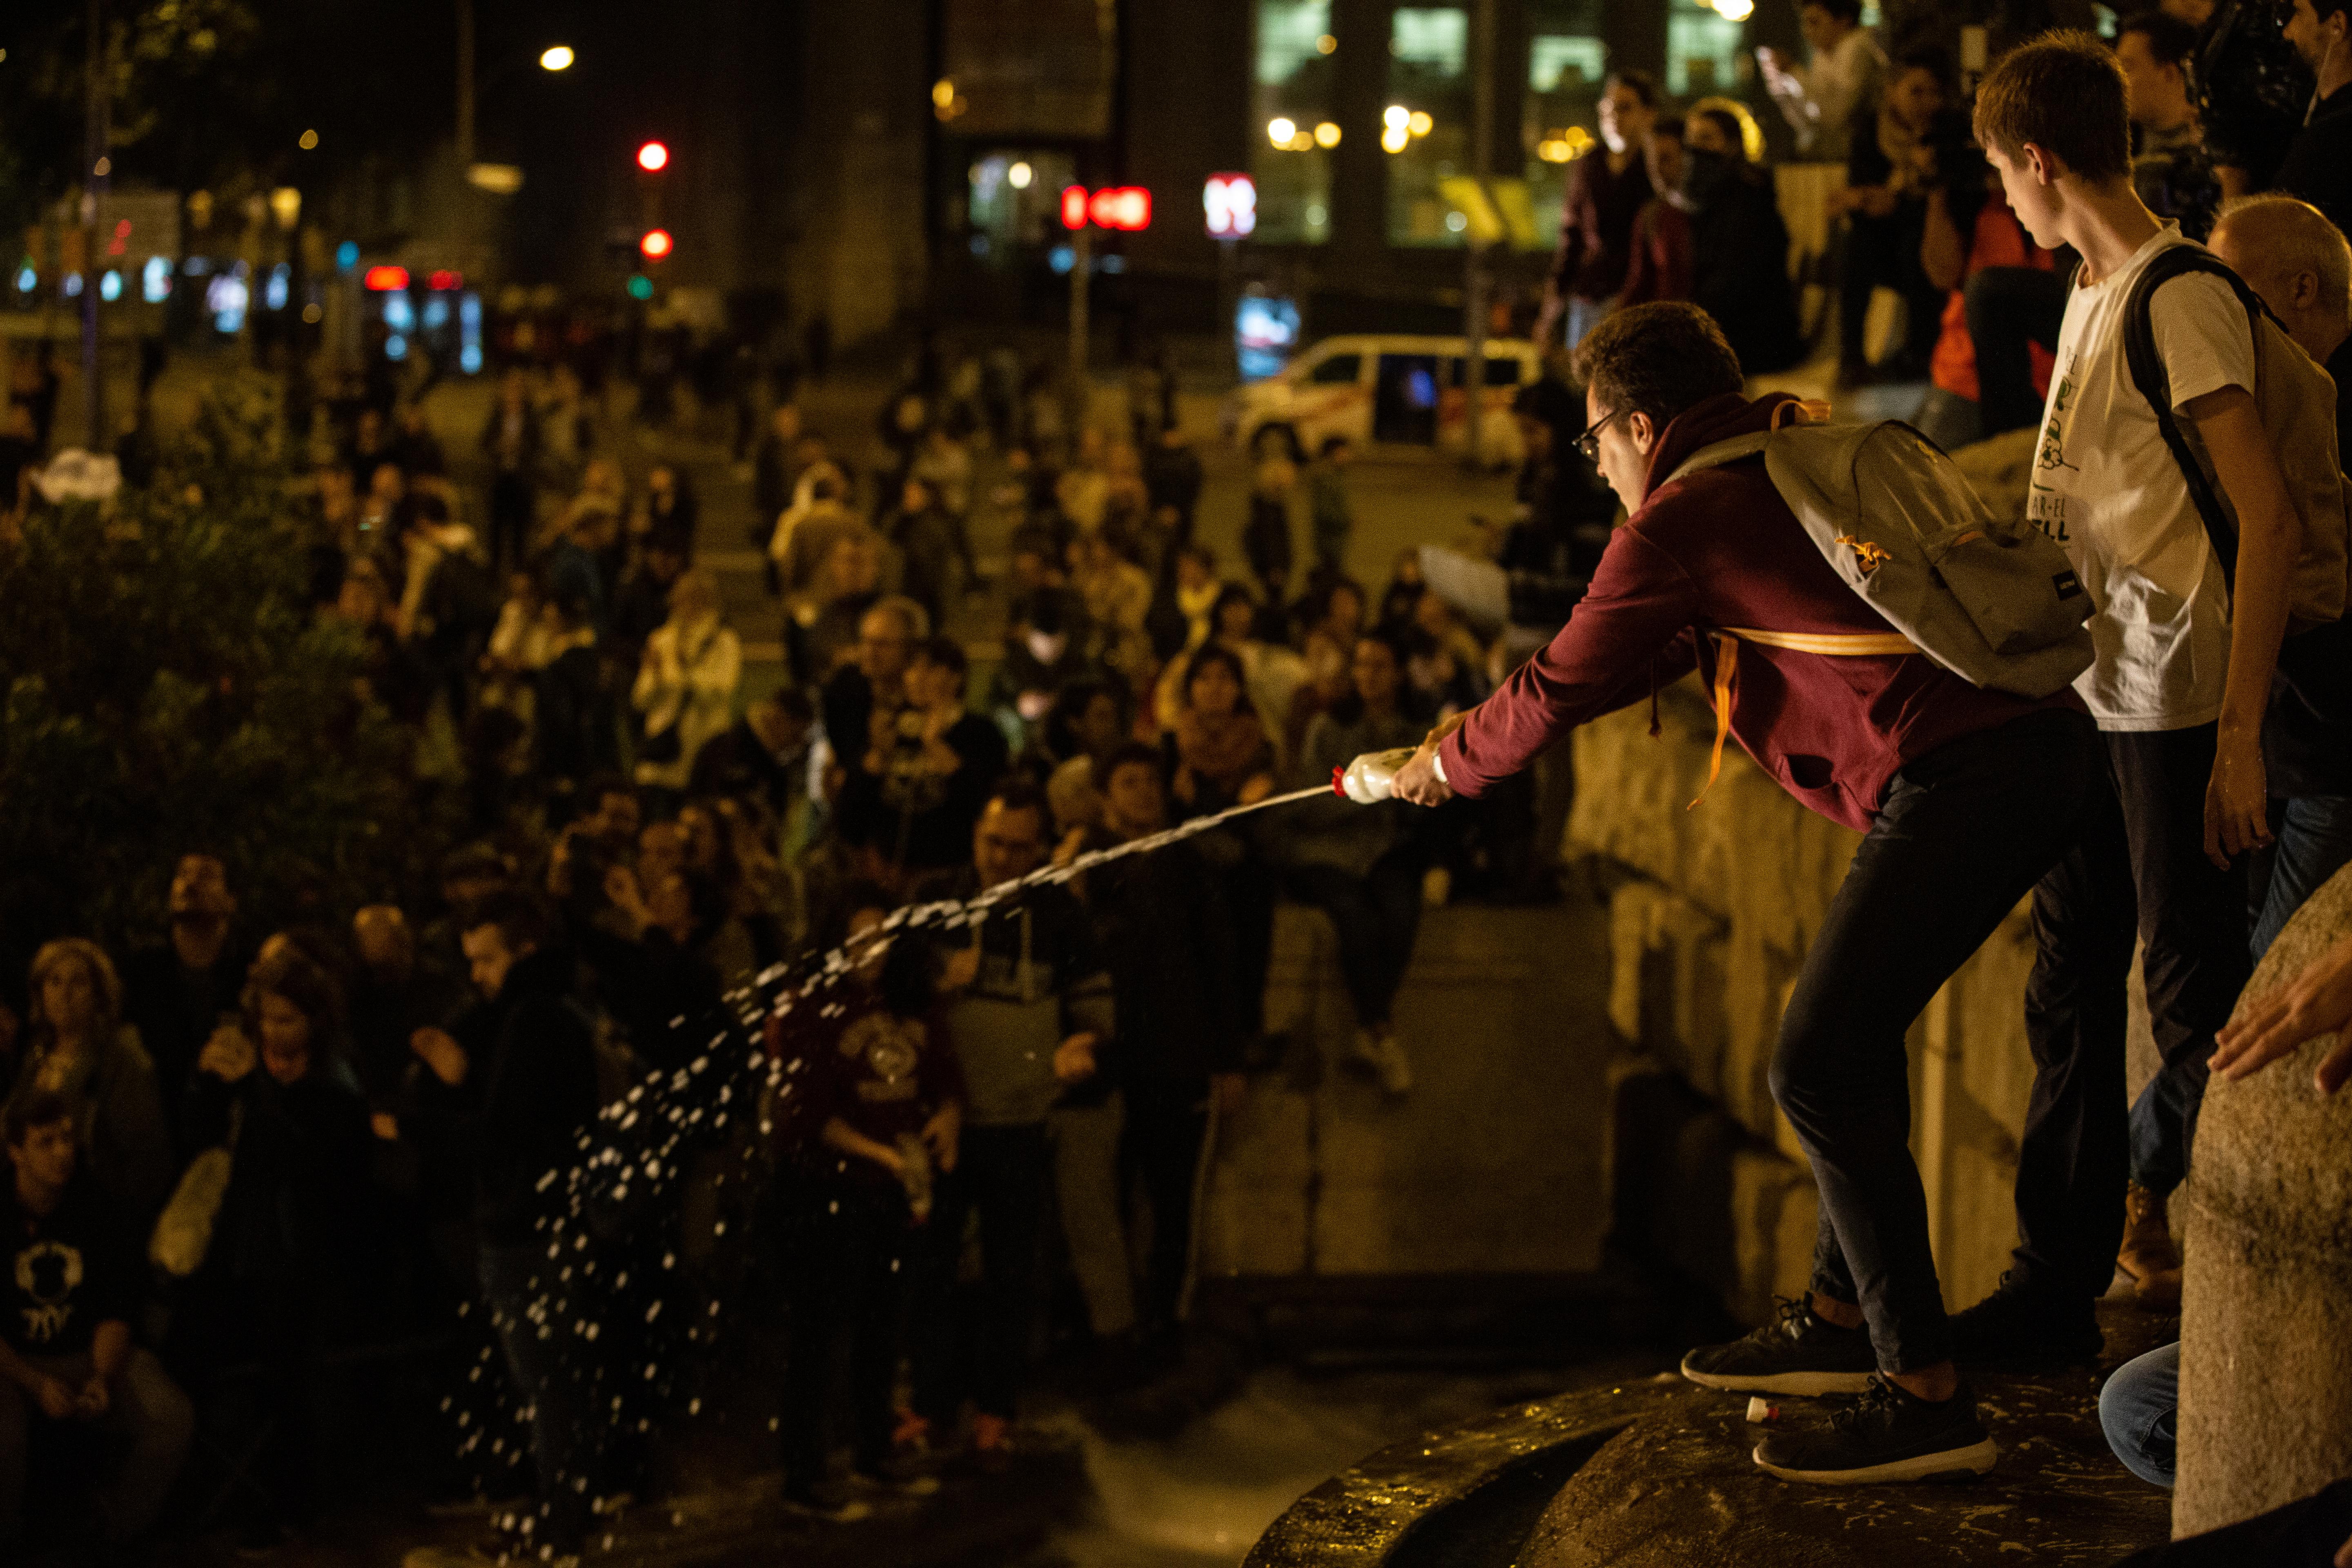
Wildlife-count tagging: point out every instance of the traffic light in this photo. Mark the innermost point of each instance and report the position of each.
(653, 157)
(1125, 207)
(655, 244)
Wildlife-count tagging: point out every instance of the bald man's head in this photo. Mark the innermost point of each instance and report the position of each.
(380, 933)
(2291, 254)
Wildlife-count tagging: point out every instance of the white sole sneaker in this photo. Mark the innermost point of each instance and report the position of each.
(1973, 1460)
(1798, 1384)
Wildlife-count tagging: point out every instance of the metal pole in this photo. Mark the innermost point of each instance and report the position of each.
(1082, 268)
(96, 167)
(465, 86)
(1474, 292)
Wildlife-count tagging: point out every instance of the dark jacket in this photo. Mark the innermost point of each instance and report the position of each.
(1721, 549)
(537, 1090)
(2318, 166)
(1168, 939)
(297, 1200)
(2307, 729)
(1596, 225)
(2252, 89)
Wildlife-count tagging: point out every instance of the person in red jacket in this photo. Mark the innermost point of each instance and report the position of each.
(1965, 798)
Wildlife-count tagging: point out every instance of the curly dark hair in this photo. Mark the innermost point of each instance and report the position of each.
(1657, 359)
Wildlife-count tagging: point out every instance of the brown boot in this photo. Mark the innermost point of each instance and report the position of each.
(2147, 1255)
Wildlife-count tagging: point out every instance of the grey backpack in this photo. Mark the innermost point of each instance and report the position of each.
(1994, 600)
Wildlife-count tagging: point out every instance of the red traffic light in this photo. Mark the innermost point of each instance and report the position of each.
(385, 279)
(655, 244)
(653, 157)
(1114, 206)
(1122, 206)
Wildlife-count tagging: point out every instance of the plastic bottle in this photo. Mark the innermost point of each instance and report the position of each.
(1373, 776)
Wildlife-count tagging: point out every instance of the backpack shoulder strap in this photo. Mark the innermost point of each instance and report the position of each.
(1720, 453)
(2148, 374)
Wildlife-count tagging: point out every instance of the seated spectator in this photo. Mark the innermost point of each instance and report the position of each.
(1359, 864)
(1662, 257)
(1087, 724)
(1265, 537)
(763, 756)
(1968, 231)
(1115, 591)
(571, 710)
(278, 1277)
(643, 603)
(851, 585)
(69, 1292)
(1888, 175)
(1223, 755)
(2171, 169)
(933, 761)
(1735, 218)
(77, 1047)
(174, 991)
(1327, 681)
(686, 684)
(924, 533)
(1445, 665)
(886, 1100)
(666, 518)
(1043, 652)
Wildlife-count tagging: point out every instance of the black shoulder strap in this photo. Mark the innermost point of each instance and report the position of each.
(2148, 374)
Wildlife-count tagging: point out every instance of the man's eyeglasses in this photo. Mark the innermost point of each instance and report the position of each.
(1589, 442)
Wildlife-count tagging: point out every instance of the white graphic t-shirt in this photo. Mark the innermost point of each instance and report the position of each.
(2106, 486)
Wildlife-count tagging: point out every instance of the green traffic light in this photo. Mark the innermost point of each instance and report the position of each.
(641, 287)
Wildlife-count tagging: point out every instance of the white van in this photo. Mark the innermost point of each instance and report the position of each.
(1386, 391)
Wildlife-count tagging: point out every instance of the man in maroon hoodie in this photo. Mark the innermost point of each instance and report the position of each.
(1965, 797)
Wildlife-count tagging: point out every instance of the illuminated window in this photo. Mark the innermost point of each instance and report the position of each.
(1294, 100)
(1013, 201)
(1425, 127)
(1703, 53)
(1566, 63)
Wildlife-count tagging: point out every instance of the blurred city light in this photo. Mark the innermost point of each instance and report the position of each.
(1019, 176)
(1327, 135)
(275, 292)
(499, 179)
(1421, 123)
(656, 244)
(155, 280)
(1396, 117)
(1326, 44)
(641, 287)
(307, 142)
(653, 157)
(313, 314)
(384, 278)
(395, 347)
(27, 279)
(1074, 207)
(1125, 207)
(557, 58)
(443, 278)
(347, 255)
(73, 285)
(1735, 10)
(1393, 139)
(1279, 131)
(1231, 203)
(286, 206)
(109, 286)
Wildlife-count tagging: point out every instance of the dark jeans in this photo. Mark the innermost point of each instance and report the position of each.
(148, 1422)
(2143, 869)
(513, 509)
(548, 1367)
(1166, 1125)
(2304, 1533)
(845, 1248)
(1965, 831)
(2312, 841)
(1884, 253)
(2008, 308)
(1001, 1174)
(1377, 916)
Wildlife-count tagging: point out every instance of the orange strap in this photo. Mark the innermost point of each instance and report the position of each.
(1835, 645)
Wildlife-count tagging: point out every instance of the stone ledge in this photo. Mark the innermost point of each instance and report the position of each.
(1668, 1483)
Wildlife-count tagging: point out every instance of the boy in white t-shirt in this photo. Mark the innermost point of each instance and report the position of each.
(2179, 689)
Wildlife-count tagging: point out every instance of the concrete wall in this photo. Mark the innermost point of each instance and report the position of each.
(1708, 926)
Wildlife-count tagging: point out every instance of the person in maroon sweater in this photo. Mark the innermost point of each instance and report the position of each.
(1965, 798)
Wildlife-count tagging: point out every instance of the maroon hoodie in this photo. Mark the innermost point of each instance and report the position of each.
(1719, 548)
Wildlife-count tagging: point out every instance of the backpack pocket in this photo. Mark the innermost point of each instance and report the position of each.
(2022, 593)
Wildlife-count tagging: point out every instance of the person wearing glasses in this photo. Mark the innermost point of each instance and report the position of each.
(1972, 793)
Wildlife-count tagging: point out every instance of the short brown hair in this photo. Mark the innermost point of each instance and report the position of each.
(1657, 359)
(34, 1108)
(2063, 93)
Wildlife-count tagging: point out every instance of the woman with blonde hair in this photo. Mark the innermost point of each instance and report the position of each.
(78, 1046)
(687, 681)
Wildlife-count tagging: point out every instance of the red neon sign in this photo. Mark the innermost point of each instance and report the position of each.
(1114, 206)
(385, 279)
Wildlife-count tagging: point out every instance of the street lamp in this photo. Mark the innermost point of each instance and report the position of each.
(558, 58)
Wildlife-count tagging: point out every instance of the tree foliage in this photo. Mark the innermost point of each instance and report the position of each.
(164, 688)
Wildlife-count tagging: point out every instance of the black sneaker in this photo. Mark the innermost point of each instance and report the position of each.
(1796, 1353)
(1885, 1436)
(2021, 1329)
